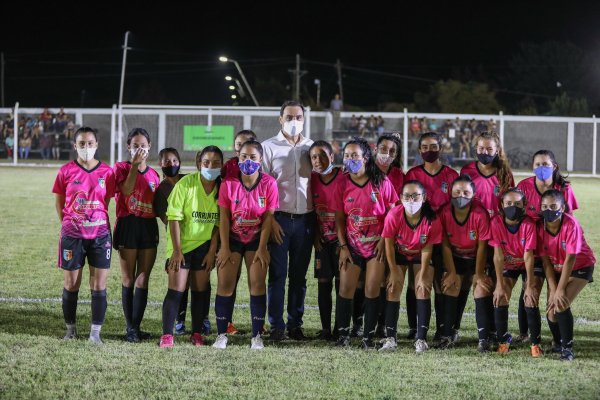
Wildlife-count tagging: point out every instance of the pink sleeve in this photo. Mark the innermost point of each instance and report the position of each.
(338, 200)
(573, 239)
(540, 241)
(494, 227)
(120, 175)
(59, 184)
(111, 185)
(273, 196)
(390, 226)
(484, 225)
(224, 200)
(435, 234)
(530, 237)
(570, 199)
(391, 197)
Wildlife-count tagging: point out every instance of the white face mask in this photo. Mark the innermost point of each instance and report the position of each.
(384, 159)
(293, 128)
(412, 207)
(86, 154)
(133, 151)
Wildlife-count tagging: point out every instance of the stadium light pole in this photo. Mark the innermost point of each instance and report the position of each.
(239, 69)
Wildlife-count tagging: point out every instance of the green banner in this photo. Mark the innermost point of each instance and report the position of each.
(197, 137)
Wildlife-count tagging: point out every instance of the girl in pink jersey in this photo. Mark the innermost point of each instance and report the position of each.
(410, 232)
(467, 229)
(247, 204)
(83, 189)
(547, 175)
(363, 200)
(437, 178)
(136, 230)
(568, 265)
(231, 167)
(513, 237)
(323, 183)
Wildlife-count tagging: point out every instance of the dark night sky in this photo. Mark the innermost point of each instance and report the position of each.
(60, 50)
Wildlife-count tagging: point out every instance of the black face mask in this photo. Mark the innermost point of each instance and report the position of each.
(171, 171)
(430, 156)
(513, 213)
(486, 159)
(460, 202)
(550, 215)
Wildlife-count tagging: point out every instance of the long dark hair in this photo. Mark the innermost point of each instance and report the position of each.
(556, 195)
(397, 162)
(211, 149)
(371, 169)
(135, 132)
(557, 177)
(171, 150)
(426, 209)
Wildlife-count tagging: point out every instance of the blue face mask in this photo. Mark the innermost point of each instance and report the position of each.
(327, 170)
(542, 172)
(353, 166)
(210, 174)
(248, 167)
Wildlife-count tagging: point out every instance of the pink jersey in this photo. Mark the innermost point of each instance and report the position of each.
(487, 187)
(534, 197)
(513, 245)
(231, 168)
(438, 186)
(139, 202)
(248, 206)
(85, 214)
(324, 203)
(463, 237)
(396, 177)
(365, 208)
(410, 240)
(568, 240)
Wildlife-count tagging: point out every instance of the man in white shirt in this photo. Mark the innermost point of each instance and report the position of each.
(286, 159)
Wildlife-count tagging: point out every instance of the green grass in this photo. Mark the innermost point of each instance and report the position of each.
(35, 363)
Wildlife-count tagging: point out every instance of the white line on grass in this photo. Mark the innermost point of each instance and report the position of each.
(583, 321)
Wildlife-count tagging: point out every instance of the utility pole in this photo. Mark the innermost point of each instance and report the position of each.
(2, 77)
(338, 67)
(297, 74)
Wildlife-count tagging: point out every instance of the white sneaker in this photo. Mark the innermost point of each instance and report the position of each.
(220, 341)
(257, 343)
(421, 346)
(389, 344)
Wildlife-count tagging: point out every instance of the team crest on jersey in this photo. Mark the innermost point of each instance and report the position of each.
(76, 182)
(374, 196)
(472, 235)
(503, 243)
(101, 183)
(563, 244)
(445, 187)
(261, 201)
(497, 190)
(237, 201)
(152, 186)
(67, 255)
(350, 200)
(522, 241)
(423, 239)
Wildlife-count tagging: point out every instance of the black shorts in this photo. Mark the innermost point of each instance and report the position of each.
(133, 232)
(538, 269)
(515, 273)
(464, 266)
(360, 261)
(582, 273)
(74, 251)
(193, 259)
(402, 260)
(437, 260)
(327, 261)
(241, 248)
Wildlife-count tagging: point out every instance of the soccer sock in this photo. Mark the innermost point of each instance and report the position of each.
(382, 307)
(172, 300)
(337, 290)
(98, 306)
(423, 317)
(198, 307)
(69, 306)
(534, 321)
(222, 307)
(127, 302)
(183, 304)
(358, 307)
(392, 312)
(411, 308)
(565, 324)
(482, 317)
(523, 316)
(258, 309)
(343, 313)
(140, 299)
(501, 317)
(463, 297)
(439, 312)
(555, 330)
(449, 315)
(325, 304)
(95, 332)
(206, 301)
(371, 315)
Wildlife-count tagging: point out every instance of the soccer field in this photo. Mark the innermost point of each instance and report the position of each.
(36, 363)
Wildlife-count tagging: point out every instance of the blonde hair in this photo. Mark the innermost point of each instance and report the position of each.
(503, 171)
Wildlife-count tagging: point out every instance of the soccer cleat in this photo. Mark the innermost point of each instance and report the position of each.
(556, 347)
(231, 330)
(412, 333)
(297, 334)
(277, 335)
(143, 335)
(421, 346)
(323, 335)
(343, 341)
(166, 342)
(357, 331)
(220, 341)
(257, 343)
(180, 328)
(389, 344)
(536, 351)
(504, 347)
(132, 335)
(445, 343)
(484, 346)
(367, 344)
(456, 336)
(197, 339)
(206, 326)
(70, 334)
(567, 354)
(95, 340)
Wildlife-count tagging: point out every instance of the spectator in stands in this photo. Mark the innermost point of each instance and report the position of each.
(25, 145)
(46, 143)
(380, 125)
(338, 156)
(464, 148)
(415, 127)
(362, 125)
(337, 104)
(61, 120)
(424, 124)
(56, 147)
(37, 130)
(447, 151)
(9, 145)
(433, 126)
(69, 131)
(46, 118)
(353, 124)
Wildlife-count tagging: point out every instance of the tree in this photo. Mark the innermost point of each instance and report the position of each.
(457, 97)
(569, 106)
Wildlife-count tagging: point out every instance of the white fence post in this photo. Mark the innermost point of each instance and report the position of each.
(570, 145)
(113, 134)
(79, 118)
(120, 134)
(162, 131)
(307, 123)
(405, 139)
(16, 132)
(594, 149)
(502, 129)
(247, 124)
(209, 119)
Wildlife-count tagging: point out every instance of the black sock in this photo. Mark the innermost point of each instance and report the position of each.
(382, 307)
(371, 314)
(69, 305)
(343, 313)
(482, 317)
(140, 300)
(411, 308)
(555, 330)
(534, 322)
(222, 307)
(258, 309)
(197, 308)
(206, 301)
(423, 317)
(523, 316)
(98, 306)
(358, 307)
(463, 297)
(490, 312)
(565, 324)
(183, 304)
(501, 317)
(337, 290)
(325, 304)
(449, 315)
(392, 312)
(127, 302)
(172, 301)
(439, 311)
